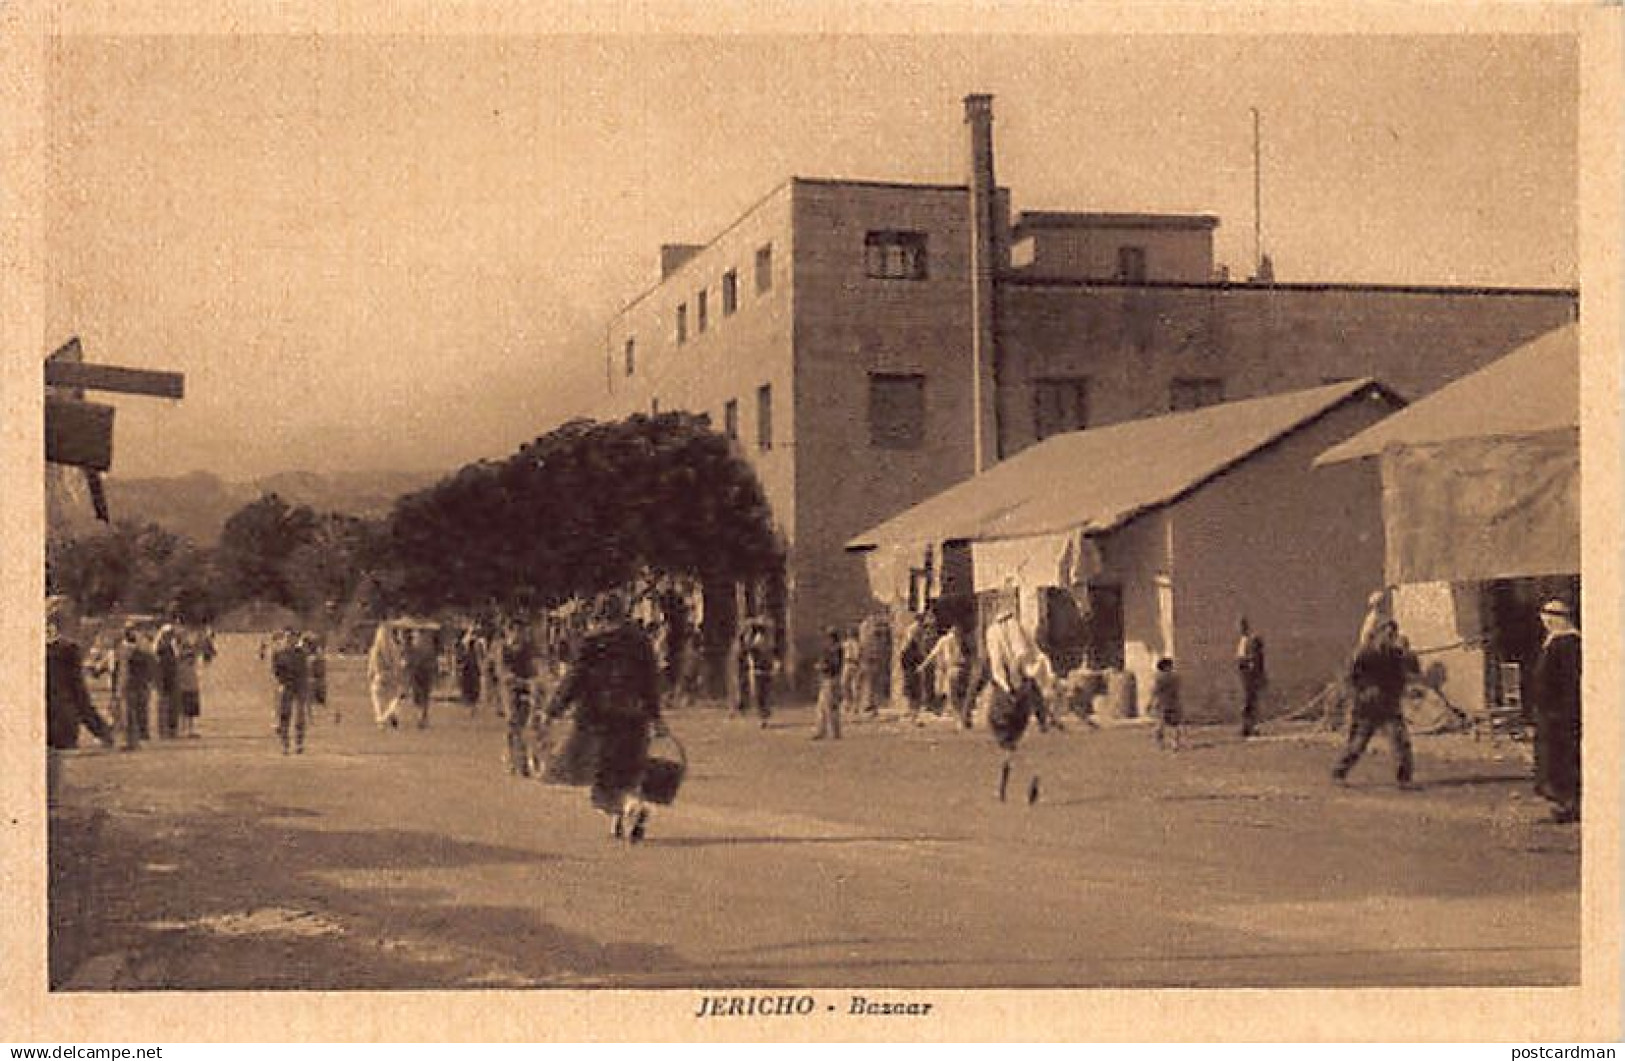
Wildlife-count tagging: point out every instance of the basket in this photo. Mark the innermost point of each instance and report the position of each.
(662, 777)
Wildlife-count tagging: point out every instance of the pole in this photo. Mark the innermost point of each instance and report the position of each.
(1258, 203)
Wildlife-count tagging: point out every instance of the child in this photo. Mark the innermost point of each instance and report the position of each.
(1165, 704)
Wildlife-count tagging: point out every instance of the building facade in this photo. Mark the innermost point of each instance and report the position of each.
(869, 344)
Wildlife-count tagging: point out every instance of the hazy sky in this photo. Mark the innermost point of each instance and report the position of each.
(401, 252)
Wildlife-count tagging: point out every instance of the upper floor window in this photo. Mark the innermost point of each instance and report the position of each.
(1060, 404)
(764, 417)
(896, 411)
(1131, 263)
(682, 322)
(893, 255)
(1186, 394)
(730, 419)
(764, 268)
(730, 292)
(631, 356)
(701, 311)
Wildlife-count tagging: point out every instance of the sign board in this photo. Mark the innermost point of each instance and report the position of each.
(79, 433)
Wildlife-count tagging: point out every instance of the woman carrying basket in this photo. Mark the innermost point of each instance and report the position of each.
(613, 685)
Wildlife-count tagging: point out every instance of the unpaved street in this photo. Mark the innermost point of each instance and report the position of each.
(410, 859)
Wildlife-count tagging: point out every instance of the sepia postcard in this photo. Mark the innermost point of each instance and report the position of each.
(839, 521)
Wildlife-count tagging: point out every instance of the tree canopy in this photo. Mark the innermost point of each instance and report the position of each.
(587, 507)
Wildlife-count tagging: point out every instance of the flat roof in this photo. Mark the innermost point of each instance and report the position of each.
(1091, 219)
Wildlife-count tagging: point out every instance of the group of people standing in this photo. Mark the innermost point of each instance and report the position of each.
(152, 671)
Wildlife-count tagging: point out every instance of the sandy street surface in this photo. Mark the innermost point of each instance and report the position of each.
(410, 859)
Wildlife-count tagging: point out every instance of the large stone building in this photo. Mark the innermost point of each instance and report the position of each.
(869, 344)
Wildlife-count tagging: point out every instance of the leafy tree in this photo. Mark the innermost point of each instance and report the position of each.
(585, 508)
(135, 567)
(330, 565)
(256, 543)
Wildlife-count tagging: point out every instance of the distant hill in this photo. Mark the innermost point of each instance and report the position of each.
(198, 505)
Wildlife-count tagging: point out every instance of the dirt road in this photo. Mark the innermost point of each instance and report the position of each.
(411, 859)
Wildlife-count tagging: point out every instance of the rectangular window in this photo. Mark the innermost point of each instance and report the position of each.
(701, 311)
(654, 406)
(682, 322)
(764, 417)
(1131, 263)
(892, 255)
(1060, 404)
(896, 411)
(631, 356)
(730, 292)
(764, 269)
(730, 419)
(1186, 394)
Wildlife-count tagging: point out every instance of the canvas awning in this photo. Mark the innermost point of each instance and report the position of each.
(1047, 501)
(1481, 480)
(1532, 390)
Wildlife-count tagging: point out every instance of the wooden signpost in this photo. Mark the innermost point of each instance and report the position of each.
(79, 433)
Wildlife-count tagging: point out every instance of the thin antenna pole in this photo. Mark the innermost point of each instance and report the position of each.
(1258, 202)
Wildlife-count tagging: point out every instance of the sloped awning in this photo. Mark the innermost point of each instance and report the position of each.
(1031, 519)
(1532, 390)
(1481, 479)
(1098, 479)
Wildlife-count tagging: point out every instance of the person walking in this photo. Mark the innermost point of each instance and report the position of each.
(1378, 676)
(193, 648)
(910, 660)
(422, 667)
(851, 671)
(290, 665)
(470, 663)
(519, 656)
(829, 688)
(166, 653)
(759, 660)
(386, 676)
(1557, 712)
(612, 688)
(1012, 696)
(950, 671)
(1165, 706)
(1250, 669)
(134, 672)
(67, 699)
(875, 652)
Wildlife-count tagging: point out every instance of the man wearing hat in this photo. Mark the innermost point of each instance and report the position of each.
(1557, 712)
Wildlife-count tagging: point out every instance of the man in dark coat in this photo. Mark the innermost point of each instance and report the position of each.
(1557, 713)
(422, 667)
(67, 700)
(613, 685)
(1382, 668)
(1250, 669)
(290, 665)
(134, 671)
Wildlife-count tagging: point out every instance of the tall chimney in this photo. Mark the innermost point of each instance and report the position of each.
(983, 267)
